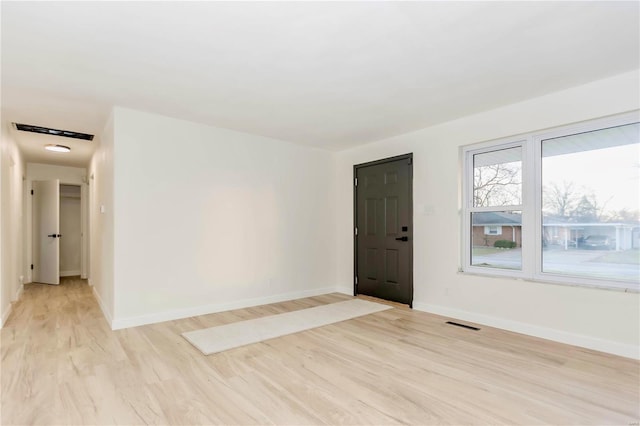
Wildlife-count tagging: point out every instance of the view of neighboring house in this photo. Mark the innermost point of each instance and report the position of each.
(489, 227)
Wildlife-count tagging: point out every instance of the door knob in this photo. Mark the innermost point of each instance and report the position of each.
(54, 235)
(403, 239)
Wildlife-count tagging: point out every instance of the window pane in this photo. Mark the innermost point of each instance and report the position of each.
(496, 239)
(497, 178)
(591, 204)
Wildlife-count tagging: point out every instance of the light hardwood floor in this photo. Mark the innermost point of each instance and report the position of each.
(61, 364)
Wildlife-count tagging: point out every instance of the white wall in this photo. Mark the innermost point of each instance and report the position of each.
(4, 311)
(11, 221)
(101, 224)
(599, 319)
(66, 175)
(70, 229)
(207, 219)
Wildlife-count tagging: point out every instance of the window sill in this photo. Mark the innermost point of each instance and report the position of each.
(563, 281)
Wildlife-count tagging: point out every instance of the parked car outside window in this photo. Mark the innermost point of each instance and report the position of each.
(598, 242)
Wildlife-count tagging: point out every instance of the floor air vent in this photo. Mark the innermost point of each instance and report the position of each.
(457, 324)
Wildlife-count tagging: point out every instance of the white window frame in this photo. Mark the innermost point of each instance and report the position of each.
(469, 208)
(531, 206)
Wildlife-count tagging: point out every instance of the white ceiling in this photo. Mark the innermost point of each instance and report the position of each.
(325, 74)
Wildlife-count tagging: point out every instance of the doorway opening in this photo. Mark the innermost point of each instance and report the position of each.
(383, 233)
(71, 230)
(58, 230)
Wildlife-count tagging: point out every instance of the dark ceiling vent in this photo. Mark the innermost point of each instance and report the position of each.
(53, 132)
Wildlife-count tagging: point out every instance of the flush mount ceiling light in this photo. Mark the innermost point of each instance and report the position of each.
(53, 132)
(57, 148)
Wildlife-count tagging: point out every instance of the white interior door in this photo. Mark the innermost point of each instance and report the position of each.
(46, 231)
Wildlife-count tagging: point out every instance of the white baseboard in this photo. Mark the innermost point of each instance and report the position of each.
(69, 273)
(5, 315)
(344, 290)
(16, 297)
(119, 323)
(18, 294)
(616, 348)
(105, 312)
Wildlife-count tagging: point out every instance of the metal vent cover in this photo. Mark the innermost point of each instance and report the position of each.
(53, 132)
(457, 324)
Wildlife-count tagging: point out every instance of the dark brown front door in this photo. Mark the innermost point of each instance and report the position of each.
(384, 229)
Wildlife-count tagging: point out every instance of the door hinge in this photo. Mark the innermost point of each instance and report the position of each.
(410, 161)
(32, 266)
(355, 183)
(356, 280)
(356, 230)
(32, 192)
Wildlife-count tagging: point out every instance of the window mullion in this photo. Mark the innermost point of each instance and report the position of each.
(536, 208)
(530, 240)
